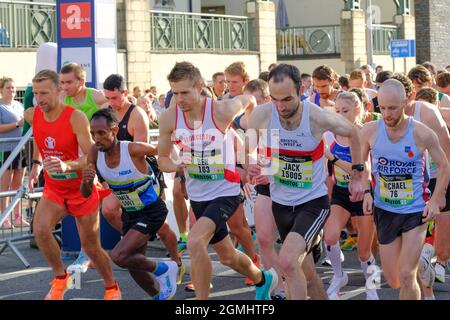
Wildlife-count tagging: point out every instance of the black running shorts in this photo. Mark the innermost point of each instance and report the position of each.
(219, 210)
(306, 219)
(147, 221)
(341, 198)
(391, 225)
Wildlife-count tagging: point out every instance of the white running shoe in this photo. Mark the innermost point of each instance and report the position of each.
(168, 282)
(440, 272)
(426, 269)
(336, 284)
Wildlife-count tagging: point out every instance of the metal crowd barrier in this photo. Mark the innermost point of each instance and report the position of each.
(20, 203)
(17, 204)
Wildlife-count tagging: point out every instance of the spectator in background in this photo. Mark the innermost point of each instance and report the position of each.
(378, 69)
(160, 105)
(370, 76)
(153, 91)
(137, 92)
(264, 76)
(344, 82)
(447, 68)
(11, 123)
(382, 77)
(305, 88)
(146, 105)
(219, 86)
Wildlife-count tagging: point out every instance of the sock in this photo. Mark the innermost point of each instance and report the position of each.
(115, 286)
(160, 268)
(334, 254)
(62, 277)
(263, 280)
(365, 265)
(183, 236)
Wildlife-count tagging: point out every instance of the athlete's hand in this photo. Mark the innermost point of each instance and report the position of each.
(356, 190)
(328, 154)
(431, 211)
(54, 164)
(89, 174)
(368, 204)
(253, 171)
(33, 176)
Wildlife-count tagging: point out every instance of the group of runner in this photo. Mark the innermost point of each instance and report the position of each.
(318, 158)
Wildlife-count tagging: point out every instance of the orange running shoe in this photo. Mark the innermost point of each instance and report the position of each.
(255, 261)
(59, 287)
(113, 293)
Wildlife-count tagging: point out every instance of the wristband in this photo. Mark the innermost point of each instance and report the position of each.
(34, 161)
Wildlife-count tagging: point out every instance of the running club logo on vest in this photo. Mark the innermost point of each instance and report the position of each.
(50, 143)
(386, 166)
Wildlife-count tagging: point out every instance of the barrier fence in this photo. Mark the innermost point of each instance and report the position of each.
(16, 202)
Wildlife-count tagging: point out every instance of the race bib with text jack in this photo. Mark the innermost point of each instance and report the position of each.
(293, 171)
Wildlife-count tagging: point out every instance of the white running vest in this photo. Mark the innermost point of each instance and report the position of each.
(211, 167)
(296, 160)
(134, 189)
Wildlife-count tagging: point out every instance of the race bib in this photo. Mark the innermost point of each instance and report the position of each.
(342, 177)
(293, 171)
(130, 201)
(396, 190)
(206, 166)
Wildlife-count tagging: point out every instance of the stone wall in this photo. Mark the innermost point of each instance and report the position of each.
(433, 31)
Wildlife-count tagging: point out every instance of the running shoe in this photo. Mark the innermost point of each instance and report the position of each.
(168, 282)
(81, 264)
(59, 287)
(271, 281)
(336, 284)
(440, 272)
(278, 295)
(190, 287)
(180, 273)
(427, 273)
(113, 293)
(350, 243)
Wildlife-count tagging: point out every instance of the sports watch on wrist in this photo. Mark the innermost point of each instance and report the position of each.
(358, 167)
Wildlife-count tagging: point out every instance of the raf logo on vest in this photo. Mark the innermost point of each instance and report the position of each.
(409, 151)
(50, 142)
(124, 172)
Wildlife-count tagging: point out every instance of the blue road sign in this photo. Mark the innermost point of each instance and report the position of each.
(402, 48)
